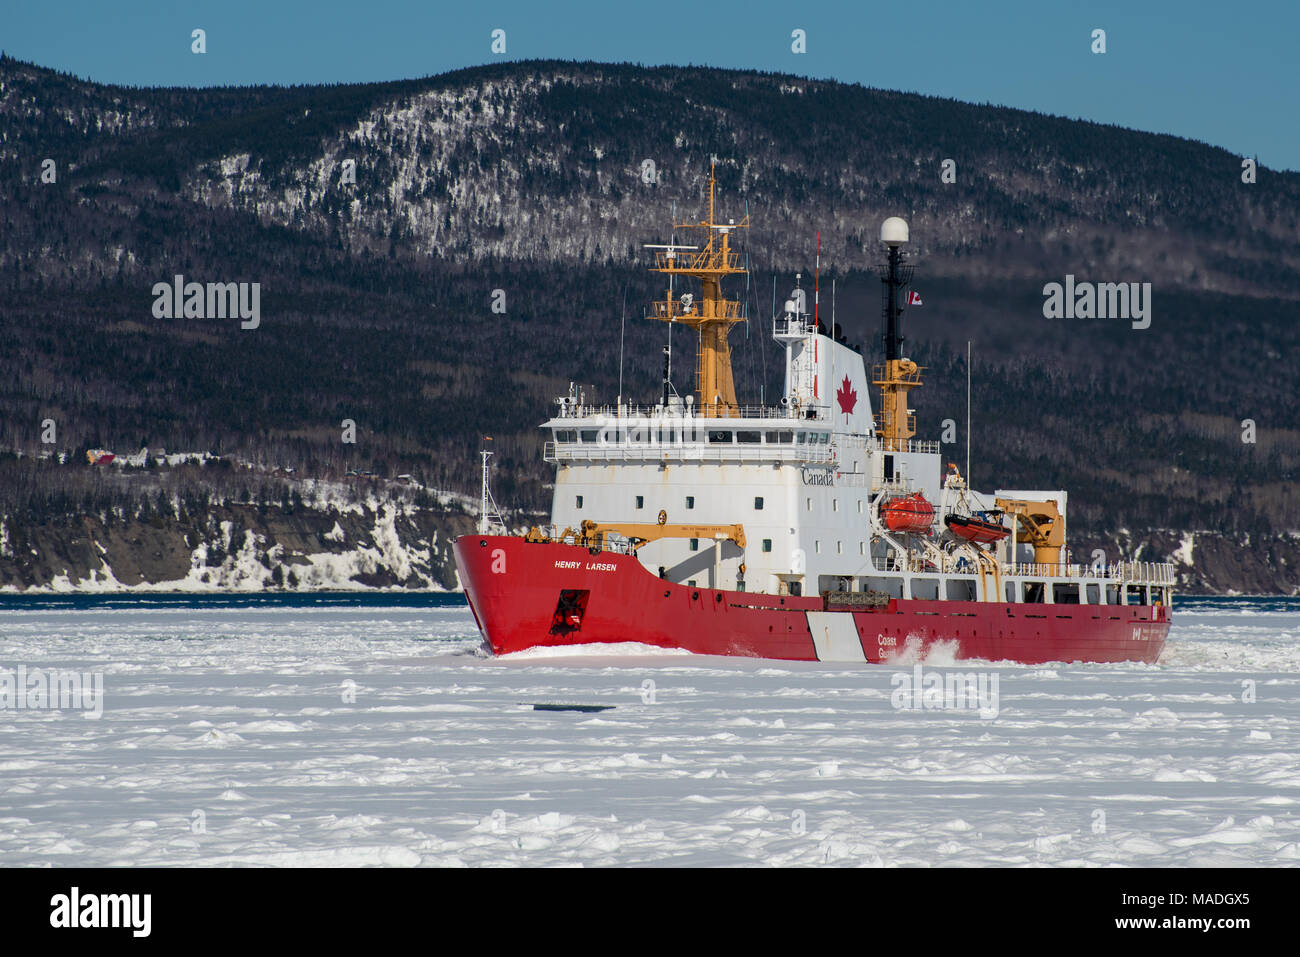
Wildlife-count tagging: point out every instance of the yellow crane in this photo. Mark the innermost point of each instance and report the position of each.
(1039, 524)
(642, 533)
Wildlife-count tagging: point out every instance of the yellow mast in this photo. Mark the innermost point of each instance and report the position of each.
(711, 316)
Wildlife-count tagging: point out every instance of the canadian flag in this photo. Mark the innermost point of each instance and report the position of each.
(914, 299)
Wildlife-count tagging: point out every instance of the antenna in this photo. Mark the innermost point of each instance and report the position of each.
(817, 283)
(784, 385)
(621, 331)
(485, 497)
(830, 385)
(668, 352)
(968, 413)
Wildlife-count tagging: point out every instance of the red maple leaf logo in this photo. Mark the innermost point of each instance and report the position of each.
(847, 398)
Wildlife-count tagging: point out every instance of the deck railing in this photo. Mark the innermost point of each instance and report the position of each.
(658, 414)
(1139, 573)
(1048, 570)
(688, 452)
(1118, 573)
(1144, 573)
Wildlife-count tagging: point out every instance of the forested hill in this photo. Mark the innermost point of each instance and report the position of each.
(534, 179)
(544, 162)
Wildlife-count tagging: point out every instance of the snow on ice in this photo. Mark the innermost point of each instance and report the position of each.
(380, 735)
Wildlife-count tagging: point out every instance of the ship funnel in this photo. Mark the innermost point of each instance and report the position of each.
(893, 231)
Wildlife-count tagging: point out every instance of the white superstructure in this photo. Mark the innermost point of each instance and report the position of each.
(809, 480)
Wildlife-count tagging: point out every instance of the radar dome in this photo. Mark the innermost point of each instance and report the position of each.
(893, 231)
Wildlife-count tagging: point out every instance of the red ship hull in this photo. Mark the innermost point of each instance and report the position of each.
(525, 595)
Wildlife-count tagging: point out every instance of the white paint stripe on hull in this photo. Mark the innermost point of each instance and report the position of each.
(835, 636)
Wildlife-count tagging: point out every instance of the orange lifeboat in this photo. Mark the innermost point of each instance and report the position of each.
(908, 513)
(981, 528)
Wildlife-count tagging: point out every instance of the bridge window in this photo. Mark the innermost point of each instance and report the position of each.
(723, 437)
(690, 501)
(1011, 591)
(1094, 594)
(1034, 592)
(839, 548)
(785, 438)
(750, 437)
(588, 435)
(1065, 594)
(695, 544)
(818, 546)
(564, 435)
(578, 501)
(767, 544)
(758, 503)
(640, 501)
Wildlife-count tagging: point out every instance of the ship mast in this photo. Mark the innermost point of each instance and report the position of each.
(485, 497)
(711, 316)
(898, 376)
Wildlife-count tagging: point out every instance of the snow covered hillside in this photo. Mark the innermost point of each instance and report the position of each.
(321, 541)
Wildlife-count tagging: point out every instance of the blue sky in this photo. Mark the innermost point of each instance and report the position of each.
(1224, 73)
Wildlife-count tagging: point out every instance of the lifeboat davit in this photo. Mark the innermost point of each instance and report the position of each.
(909, 513)
(981, 530)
